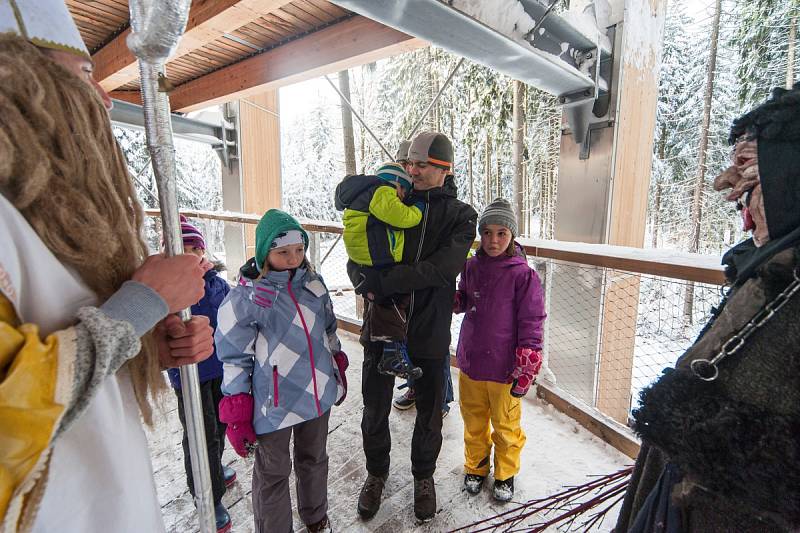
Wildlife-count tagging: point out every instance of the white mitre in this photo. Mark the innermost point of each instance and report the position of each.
(45, 23)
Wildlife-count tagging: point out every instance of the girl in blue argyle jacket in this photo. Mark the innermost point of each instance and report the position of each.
(283, 369)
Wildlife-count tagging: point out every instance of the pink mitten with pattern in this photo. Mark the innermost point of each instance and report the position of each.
(529, 362)
(237, 412)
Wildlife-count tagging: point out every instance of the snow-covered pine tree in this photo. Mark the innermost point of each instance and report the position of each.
(762, 37)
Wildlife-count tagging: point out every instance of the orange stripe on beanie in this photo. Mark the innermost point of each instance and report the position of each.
(432, 147)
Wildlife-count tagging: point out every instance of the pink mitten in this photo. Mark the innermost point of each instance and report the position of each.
(237, 412)
(529, 362)
(340, 358)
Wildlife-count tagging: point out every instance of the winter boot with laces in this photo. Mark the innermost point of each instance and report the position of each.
(473, 483)
(424, 499)
(503, 490)
(396, 362)
(369, 501)
(323, 526)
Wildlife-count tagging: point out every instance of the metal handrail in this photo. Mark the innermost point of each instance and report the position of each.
(682, 266)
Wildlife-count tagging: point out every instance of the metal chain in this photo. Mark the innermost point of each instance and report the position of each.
(707, 369)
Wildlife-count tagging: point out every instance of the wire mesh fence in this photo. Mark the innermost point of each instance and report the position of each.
(609, 332)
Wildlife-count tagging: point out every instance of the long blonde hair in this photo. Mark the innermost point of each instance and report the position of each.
(61, 167)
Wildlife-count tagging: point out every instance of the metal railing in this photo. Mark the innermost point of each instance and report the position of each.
(617, 317)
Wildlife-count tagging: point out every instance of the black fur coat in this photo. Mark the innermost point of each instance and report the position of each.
(736, 439)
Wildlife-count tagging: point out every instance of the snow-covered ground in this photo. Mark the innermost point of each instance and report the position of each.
(558, 452)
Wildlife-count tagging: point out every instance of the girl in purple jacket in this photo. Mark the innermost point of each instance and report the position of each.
(499, 349)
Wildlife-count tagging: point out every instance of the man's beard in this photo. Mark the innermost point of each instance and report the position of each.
(61, 167)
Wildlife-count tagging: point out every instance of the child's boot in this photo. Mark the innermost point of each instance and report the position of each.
(228, 475)
(473, 483)
(503, 490)
(222, 518)
(407, 400)
(396, 362)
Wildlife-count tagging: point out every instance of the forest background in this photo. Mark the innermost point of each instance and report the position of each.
(720, 58)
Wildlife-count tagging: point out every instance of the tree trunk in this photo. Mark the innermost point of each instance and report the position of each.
(656, 214)
(526, 187)
(488, 154)
(469, 174)
(499, 177)
(347, 126)
(791, 52)
(662, 148)
(517, 148)
(697, 198)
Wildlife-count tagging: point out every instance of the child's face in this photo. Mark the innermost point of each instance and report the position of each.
(286, 257)
(195, 250)
(495, 239)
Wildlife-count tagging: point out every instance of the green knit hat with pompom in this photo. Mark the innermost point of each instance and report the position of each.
(273, 223)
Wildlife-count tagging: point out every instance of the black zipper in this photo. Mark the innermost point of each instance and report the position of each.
(419, 252)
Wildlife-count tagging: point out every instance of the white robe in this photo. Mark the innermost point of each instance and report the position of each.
(100, 476)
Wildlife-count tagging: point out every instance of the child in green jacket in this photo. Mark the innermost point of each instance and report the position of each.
(374, 219)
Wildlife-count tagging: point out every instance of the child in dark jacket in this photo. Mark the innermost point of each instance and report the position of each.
(499, 349)
(374, 219)
(210, 374)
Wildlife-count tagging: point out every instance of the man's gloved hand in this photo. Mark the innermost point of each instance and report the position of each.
(340, 358)
(528, 364)
(237, 412)
(370, 282)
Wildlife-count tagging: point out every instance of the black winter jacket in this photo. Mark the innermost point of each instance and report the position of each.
(434, 254)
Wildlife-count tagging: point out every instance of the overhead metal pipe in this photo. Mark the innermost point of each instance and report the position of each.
(157, 27)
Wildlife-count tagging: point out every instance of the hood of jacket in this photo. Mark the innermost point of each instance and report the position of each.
(352, 187)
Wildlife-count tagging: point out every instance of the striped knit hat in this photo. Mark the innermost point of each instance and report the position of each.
(395, 173)
(434, 148)
(191, 235)
(499, 212)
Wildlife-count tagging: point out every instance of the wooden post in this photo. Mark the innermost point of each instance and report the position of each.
(633, 148)
(260, 163)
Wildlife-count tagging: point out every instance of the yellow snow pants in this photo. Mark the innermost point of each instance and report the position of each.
(482, 403)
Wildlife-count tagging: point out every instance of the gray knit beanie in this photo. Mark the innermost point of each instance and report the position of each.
(499, 212)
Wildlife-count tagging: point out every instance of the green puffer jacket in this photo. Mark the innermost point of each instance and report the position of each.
(374, 218)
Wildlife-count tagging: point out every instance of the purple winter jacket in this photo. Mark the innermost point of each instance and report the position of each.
(504, 305)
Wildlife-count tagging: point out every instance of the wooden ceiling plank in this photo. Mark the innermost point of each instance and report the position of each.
(279, 25)
(260, 40)
(229, 46)
(330, 10)
(262, 27)
(286, 15)
(303, 14)
(108, 15)
(353, 42)
(208, 20)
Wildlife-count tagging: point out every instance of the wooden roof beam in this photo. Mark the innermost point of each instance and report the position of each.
(115, 65)
(352, 42)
